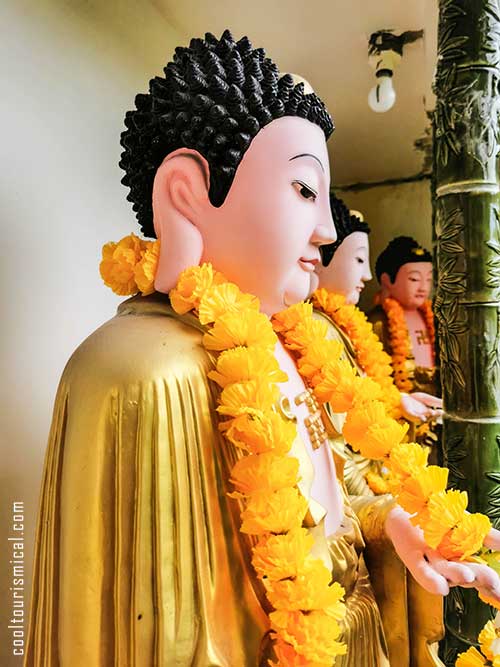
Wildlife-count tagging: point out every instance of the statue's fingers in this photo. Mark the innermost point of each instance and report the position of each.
(428, 578)
(458, 574)
(487, 580)
(428, 399)
(492, 540)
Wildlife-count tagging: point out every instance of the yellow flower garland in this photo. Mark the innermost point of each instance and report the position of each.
(399, 338)
(419, 489)
(307, 606)
(129, 266)
(370, 355)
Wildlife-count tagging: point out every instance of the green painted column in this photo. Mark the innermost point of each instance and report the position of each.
(467, 251)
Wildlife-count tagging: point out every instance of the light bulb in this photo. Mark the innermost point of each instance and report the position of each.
(382, 96)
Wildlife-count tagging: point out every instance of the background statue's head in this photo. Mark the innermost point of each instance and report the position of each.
(345, 264)
(226, 162)
(404, 271)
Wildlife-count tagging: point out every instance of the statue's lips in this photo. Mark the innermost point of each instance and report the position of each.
(308, 264)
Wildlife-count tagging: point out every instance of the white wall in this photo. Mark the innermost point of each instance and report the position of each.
(391, 210)
(69, 70)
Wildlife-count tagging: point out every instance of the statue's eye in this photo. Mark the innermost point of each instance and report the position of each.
(304, 190)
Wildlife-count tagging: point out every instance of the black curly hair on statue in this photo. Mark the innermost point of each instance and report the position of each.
(214, 98)
(345, 225)
(401, 250)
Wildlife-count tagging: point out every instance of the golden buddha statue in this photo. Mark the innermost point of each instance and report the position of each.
(140, 556)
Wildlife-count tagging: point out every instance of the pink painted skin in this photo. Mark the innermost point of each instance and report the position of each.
(346, 274)
(266, 235)
(349, 268)
(412, 285)
(265, 238)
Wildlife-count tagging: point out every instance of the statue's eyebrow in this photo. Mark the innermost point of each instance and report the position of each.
(308, 155)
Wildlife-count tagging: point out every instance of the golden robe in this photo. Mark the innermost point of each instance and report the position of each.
(139, 559)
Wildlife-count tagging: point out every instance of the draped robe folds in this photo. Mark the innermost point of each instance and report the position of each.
(139, 560)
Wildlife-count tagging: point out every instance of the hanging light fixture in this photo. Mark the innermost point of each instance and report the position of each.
(384, 53)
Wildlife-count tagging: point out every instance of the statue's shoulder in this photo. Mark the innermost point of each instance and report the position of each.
(146, 339)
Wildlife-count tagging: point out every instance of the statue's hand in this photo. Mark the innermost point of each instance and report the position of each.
(419, 406)
(429, 568)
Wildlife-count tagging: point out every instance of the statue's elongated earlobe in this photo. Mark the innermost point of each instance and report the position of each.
(180, 192)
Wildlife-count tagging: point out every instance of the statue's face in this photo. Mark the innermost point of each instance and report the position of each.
(349, 269)
(266, 235)
(412, 285)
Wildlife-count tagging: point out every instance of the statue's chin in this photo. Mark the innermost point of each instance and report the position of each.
(297, 294)
(353, 298)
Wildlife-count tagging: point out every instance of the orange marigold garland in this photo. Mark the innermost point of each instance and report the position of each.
(400, 339)
(307, 605)
(369, 350)
(129, 266)
(420, 489)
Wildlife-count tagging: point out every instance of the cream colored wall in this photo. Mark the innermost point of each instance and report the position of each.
(69, 70)
(392, 210)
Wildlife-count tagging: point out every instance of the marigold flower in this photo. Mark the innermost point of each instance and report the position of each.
(377, 483)
(264, 472)
(445, 511)
(247, 328)
(358, 421)
(471, 658)
(327, 301)
(381, 437)
(317, 356)
(486, 637)
(369, 430)
(226, 298)
(467, 538)
(282, 556)
(145, 269)
(286, 656)
(416, 490)
(310, 590)
(406, 459)
(241, 397)
(276, 512)
(289, 318)
(307, 332)
(339, 385)
(258, 431)
(312, 635)
(241, 364)
(192, 285)
(118, 264)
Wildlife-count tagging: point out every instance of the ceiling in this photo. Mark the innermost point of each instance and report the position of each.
(325, 41)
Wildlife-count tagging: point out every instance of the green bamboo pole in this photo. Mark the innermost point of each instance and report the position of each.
(467, 250)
